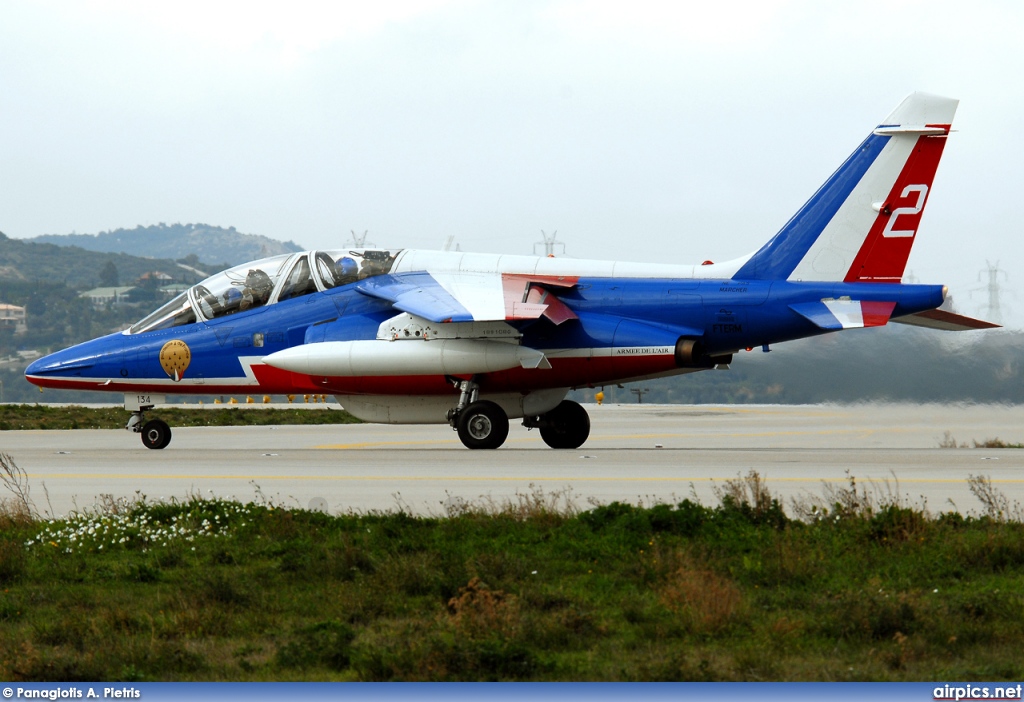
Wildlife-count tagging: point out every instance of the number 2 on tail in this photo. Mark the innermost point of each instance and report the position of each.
(922, 193)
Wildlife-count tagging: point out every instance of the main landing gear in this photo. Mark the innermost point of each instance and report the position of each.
(483, 424)
(156, 434)
(565, 427)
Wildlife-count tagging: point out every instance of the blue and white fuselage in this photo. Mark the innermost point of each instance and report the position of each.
(413, 336)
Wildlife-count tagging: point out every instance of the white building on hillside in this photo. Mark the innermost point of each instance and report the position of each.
(101, 297)
(13, 317)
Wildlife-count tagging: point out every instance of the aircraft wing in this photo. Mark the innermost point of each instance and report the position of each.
(417, 293)
(947, 321)
(472, 297)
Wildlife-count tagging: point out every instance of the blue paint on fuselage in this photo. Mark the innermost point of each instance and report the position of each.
(725, 314)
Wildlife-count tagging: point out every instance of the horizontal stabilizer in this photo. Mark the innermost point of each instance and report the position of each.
(845, 314)
(946, 321)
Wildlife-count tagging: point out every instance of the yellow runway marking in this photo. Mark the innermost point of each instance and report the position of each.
(375, 444)
(620, 437)
(751, 435)
(491, 478)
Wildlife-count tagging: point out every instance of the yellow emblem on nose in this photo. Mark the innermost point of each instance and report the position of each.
(174, 358)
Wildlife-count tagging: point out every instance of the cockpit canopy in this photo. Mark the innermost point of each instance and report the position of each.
(267, 282)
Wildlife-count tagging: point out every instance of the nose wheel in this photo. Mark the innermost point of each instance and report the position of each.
(156, 433)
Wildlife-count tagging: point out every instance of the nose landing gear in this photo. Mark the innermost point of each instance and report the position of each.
(156, 433)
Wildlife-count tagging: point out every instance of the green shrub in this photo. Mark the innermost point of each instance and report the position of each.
(327, 644)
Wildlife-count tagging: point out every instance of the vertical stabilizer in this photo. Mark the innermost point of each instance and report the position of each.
(862, 222)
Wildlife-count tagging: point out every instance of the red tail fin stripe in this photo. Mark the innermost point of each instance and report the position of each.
(884, 253)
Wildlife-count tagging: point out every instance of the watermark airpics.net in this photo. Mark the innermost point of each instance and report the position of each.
(967, 693)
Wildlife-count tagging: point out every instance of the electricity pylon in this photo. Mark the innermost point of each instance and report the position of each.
(549, 244)
(359, 240)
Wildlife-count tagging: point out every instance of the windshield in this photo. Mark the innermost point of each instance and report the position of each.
(175, 313)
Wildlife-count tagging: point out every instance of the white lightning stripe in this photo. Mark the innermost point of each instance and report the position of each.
(609, 351)
(195, 385)
(247, 362)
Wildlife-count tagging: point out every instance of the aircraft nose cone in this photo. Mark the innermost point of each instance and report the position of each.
(61, 362)
(79, 361)
(38, 366)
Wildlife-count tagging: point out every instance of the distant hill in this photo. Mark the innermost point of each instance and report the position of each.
(176, 241)
(24, 261)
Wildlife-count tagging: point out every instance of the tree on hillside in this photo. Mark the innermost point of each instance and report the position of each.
(108, 275)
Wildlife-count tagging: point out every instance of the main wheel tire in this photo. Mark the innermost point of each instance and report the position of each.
(156, 434)
(566, 426)
(483, 425)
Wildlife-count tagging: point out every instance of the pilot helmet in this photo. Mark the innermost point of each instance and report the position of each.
(348, 266)
(258, 282)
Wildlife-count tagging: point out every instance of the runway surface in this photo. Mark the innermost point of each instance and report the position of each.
(636, 453)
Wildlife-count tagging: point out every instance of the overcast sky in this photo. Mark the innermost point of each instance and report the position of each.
(658, 131)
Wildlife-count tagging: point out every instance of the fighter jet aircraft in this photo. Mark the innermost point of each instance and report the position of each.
(473, 340)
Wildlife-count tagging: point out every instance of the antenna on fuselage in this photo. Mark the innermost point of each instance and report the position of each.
(359, 240)
(549, 244)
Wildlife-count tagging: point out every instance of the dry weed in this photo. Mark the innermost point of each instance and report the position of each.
(997, 505)
(20, 508)
(750, 490)
(479, 612)
(853, 500)
(706, 601)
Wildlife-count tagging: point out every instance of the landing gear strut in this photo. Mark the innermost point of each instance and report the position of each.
(565, 427)
(481, 424)
(156, 434)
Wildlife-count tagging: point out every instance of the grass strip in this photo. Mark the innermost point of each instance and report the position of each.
(76, 417)
(533, 588)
